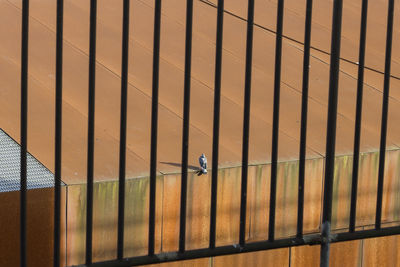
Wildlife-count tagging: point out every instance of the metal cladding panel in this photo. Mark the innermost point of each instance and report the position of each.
(38, 175)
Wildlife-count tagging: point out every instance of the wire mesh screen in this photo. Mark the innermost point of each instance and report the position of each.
(38, 176)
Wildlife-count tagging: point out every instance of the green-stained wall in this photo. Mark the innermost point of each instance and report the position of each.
(228, 208)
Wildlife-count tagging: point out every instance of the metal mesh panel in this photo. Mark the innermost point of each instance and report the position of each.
(38, 175)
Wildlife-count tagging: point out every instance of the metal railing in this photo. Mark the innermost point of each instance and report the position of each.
(325, 238)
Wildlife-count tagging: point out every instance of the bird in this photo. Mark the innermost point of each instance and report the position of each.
(203, 163)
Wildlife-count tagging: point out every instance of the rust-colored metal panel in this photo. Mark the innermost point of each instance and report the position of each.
(341, 192)
(105, 219)
(42, 39)
(137, 216)
(342, 254)
(286, 209)
(198, 211)
(346, 254)
(171, 212)
(286, 199)
(391, 187)
(304, 256)
(228, 206)
(275, 257)
(41, 120)
(314, 175)
(171, 79)
(40, 225)
(322, 23)
(105, 212)
(291, 73)
(367, 189)
(382, 252)
(258, 198)
(206, 262)
(76, 220)
(198, 208)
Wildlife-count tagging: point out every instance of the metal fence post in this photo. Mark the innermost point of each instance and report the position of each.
(331, 132)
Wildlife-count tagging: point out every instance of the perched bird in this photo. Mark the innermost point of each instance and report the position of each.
(203, 163)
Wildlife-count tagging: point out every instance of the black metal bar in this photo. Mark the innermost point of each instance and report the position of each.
(331, 131)
(304, 110)
(208, 252)
(385, 106)
(217, 100)
(122, 138)
(24, 129)
(357, 127)
(311, 239)
(363, 234)
(186, 117)
(154, 124)
(58, 134)
(275, 123)
(246, 121)
(91, 110)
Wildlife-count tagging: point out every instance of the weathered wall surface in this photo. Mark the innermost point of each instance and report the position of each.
(40, 225)
(228, 205)
(375, 252)
(370, 252)
(198, 209)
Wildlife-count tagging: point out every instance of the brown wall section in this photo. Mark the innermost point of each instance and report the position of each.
(355, 253)
(367, 189)
(381, 251)
(105, 214)
(375, 252)
(40, 225)
(198, 208)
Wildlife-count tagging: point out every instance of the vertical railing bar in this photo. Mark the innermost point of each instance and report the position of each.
(246, 122)
(385, 106)
(154, 124)
(58, 134)
(186, 117)
(331, 131)
(275, 123)
(357, 127)
(122, 138)
(217, 100)
(91, 113)
(304, 111)
(24, 130)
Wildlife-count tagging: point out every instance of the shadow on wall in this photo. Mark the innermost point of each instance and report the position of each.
(190, 167)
